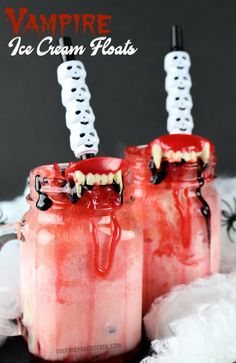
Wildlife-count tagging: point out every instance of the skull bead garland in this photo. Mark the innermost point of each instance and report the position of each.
(79, 114)
(177, 85)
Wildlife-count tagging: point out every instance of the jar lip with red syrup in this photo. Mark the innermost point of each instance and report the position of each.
(139, 157)
(58, 183)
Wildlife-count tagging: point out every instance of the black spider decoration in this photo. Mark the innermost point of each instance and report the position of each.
(228, 218)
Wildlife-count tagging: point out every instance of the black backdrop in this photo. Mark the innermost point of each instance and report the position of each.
(128, 94)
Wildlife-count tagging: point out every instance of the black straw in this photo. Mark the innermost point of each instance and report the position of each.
(177, 42)
(66, 42)
(87, 156)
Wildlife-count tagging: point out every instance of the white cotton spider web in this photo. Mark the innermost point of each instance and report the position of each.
(195, 323)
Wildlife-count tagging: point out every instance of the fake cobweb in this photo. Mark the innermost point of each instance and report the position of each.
(195, 323)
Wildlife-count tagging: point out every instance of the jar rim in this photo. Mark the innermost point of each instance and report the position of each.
(139, 157)
(59, 174)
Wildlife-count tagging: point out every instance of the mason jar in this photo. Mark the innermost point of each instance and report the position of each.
(81, 261)
(179, 211)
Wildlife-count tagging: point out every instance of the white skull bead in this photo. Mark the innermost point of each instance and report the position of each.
(179, 102)
(177, 60)
(180, 123)
(83, 140)
(72, 69)
(178, 81)
(74, 90)
(78, 112)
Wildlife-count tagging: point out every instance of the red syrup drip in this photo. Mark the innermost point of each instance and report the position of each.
(165, 248)
(58, 172)
(60, 256)
(103, 269)
(188, 212)
(184, 210)
(185, 216)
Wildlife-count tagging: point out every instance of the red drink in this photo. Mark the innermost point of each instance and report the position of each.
(179, 211)
(81, 263)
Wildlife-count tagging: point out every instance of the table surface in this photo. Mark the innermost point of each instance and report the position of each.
(14, 350)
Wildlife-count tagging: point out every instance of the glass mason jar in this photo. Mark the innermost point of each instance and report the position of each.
(81, 263)
(181, 236)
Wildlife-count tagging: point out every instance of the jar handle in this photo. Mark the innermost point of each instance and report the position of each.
(9, 325)
(8, 232)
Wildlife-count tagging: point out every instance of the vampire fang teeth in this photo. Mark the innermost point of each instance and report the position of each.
(193, 156)
(118, 179)
(178, 156)
(110, 178)
(205, 154)
(80, 177)
(78, 190)
(97, 179)
(90, 179)
(79, 100)
(76, 78)
(88, 145)
(186, 157)
(157, 155)
(104, 179)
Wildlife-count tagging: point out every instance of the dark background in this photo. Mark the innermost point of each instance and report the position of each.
(128, 95)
